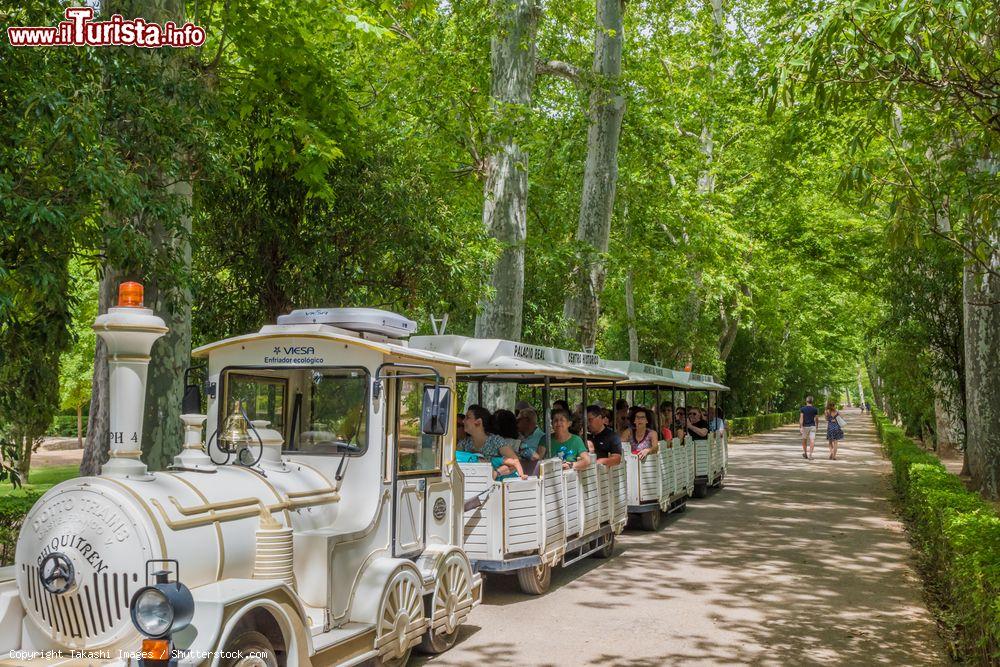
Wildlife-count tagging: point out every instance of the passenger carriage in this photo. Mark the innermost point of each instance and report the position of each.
(561, 516)
(664, 481)
(321, 522)
(711, 453)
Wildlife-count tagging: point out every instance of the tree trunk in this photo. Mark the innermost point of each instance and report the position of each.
(25, 444)
(600, 175)
(706, 177)
(730, 327)
(162, 430)
(633, 336)
(79, 425)
(861, 389)
(730, 321)
(505, 201)
(95, 448)
(981, 297)
(949, 408)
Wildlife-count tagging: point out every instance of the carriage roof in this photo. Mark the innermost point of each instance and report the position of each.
(325, 332)
(648, 375)
(511, 360)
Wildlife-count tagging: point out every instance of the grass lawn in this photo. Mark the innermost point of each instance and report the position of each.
(40, 480)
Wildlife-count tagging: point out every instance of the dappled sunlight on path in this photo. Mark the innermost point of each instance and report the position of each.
(793, 562)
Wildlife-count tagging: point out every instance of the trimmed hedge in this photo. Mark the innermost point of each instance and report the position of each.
(758, 423)
(958, 535)
(65, 426)
(12, 512)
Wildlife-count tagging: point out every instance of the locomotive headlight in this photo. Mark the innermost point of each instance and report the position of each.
(152, 612)
(163, 608)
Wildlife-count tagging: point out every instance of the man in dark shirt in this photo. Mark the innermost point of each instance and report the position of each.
(606, 443)
(697, 425)
(807, 427)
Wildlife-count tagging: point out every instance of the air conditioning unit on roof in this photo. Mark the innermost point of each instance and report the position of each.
(368, 320)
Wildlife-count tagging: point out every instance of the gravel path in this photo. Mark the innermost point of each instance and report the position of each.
(795, 562)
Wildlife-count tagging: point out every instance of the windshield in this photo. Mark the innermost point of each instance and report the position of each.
(317, 410)
(335, 420)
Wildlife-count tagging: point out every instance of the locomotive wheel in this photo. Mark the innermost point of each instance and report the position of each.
(607, 550)
(256, 650)
(401, 612)
(535, 580)
(650, 520)
(452, 600)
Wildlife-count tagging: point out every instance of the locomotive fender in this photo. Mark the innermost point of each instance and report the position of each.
(372, 587)
(221, 607)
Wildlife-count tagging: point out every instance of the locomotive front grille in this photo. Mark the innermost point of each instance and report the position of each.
(94, 609)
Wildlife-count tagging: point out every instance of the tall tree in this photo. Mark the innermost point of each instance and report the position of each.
(505, 202)
(505, 207)
(158, 145)
(600, 175)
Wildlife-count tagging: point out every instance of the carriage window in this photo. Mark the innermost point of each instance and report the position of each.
(416, 453)
(261, 397)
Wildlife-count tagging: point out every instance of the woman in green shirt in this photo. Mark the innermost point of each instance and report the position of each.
(565, 445)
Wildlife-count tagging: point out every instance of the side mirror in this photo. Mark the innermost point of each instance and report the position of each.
(435, 414)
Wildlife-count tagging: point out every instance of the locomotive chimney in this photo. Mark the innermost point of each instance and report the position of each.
(129, 331)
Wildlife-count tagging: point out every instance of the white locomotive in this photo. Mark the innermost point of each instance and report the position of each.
(322, 524)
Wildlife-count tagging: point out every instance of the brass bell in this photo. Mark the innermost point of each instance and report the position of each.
(234, 432)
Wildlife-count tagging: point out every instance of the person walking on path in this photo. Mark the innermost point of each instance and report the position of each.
(834, 431)
(807, 427)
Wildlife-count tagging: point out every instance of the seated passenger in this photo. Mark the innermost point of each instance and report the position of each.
(481, 440)
(680, 423)
(505, 425)
(623, 415)
(626, 433)
(666, 417)
(560, 404)
(459, 427)
(576, 423)
(567, 446)
(697, 425)
(644, 440)
(606, 443)
(716, 420)
(532, 437)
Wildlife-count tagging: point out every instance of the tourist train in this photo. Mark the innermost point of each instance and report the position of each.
(319, 512)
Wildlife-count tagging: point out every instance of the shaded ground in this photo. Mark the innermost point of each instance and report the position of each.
(57, 452)
(795, 562)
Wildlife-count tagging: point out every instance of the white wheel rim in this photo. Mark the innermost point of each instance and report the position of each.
(402, 607)
(251, 661)
(451, 591)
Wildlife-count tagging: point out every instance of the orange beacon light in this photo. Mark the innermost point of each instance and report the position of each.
(130, 295)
